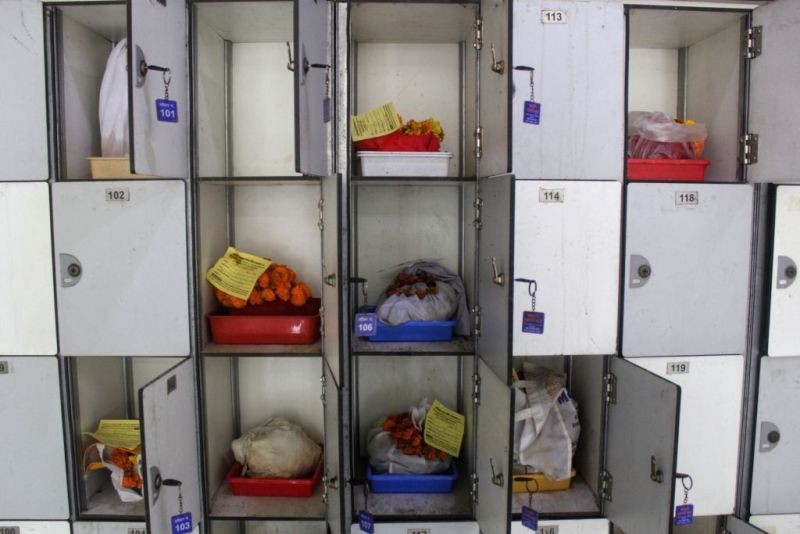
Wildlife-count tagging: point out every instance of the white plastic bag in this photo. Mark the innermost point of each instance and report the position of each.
(102, 452)
(276, 449)
(546, 424)
(113, 103)
(656, 136)
(399, 309)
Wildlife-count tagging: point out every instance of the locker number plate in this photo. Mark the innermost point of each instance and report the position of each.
(678, 368)
(119, 194)
(687, 198)
(9, 530)
(554, 16)
(549, 530)
(551, 195)
(3, 368)
(134, 530)
(418, 531)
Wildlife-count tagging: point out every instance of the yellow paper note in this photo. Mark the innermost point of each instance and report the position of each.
(236, 273)
(118, 433)
(375, 123)
(444, 429)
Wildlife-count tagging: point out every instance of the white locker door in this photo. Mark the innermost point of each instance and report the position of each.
(773, 114)
(455, 527)
(784, 309)
(494, 87)
(333, 344)
(158, 37)
(313, 86)
(35, 527)
(734, 525)
(566, 526)
(642, 435)
(687, 269)
(334, 481)
(493, 452)
(122, 276)
(566, 238)
(27, 298)
(708, 442)
(108, 527)
(776, 461)
(23, 113)
(33, 440)
(777, 524)
(577, 52)
(171, 456)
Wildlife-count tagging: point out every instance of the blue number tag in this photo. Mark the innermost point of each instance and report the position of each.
(530, 518)
(366, 324)
(326, 109)
(531, 112)
(533, 322)
(684, 514)
(166, 110)
(182, 523)
(366, 522)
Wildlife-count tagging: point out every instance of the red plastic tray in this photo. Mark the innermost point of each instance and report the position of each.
(675, 170)
(273, 487)
(273, 323)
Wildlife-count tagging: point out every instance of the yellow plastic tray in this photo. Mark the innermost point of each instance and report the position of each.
(537, 482)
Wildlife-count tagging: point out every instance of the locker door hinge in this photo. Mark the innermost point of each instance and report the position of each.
(478, 44)
(478, 142)
(611, 388)
(752, 42)
(476, 320)
(321, 222)
(477, 222)
(323, 397)
(748, 149)
(476, 389)
(473, 492)
(322, 321)
(606, 485)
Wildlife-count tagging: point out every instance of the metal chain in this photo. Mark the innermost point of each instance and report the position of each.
(180, 501)
(167, 77)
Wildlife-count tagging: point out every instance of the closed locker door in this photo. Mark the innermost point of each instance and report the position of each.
(313, 87)
(159, 131)
(776, 461)
(423, 527)
(121, 264)
(33, 470)
(171, 455)
(784, 310)
(566, 239)
(27, 298)
(566, 526)
(23, 113)
(577, 53)
(687, 268)
(108, 527)
(333, 480)
(34, 527)
(708, 441)
(330, 225)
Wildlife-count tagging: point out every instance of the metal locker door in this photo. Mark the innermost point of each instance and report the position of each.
(334, 482)
(334, 340)
(493, 452)
(27, 299)
(438, 527)
(566, 238)
(776, 462)
(773, 114)
(687, 269)
(313, 86)
(170, 451)
(33, 440)
(708, 441)
(35, 527)
(108, 527)
(784, 310)
(777, 524)
(582, 100)
(158, 39)
(23, 113)
(122, 276)
(493, 88)
(734, 525)
(641, 445)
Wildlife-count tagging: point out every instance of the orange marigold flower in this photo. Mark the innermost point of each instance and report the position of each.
(298, 296)
(268, 295)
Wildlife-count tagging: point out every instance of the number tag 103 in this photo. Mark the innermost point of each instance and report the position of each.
(182, 523)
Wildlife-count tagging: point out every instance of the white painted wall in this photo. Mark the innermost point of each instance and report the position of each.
(653, 80)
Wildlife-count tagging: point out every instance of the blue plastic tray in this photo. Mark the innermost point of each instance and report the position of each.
(412, 330)
(392, 483)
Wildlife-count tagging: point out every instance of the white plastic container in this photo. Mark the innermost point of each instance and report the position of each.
(404, 163)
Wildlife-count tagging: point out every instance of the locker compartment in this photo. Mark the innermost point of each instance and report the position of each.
(566, 526)
(242, 393)
(33, 473)
(108, 527)
(419, 56)
(273, 219)
(399, 222)
(105, 388)
(783, 308)
(266, 527)
(38, 527)
(776, 524)
(687, 63)
(459, 527)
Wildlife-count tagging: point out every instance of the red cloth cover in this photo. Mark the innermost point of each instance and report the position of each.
(398, 141)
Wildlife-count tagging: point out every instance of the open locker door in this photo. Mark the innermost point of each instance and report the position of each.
(784, 308)
(171, 456)
(641, 449)
(734, 525)
(773, 113)
(313, 86)
(159, 123)
(493, 458)
(333, 339)
(493, 41)
(333, 482)
(23, 113)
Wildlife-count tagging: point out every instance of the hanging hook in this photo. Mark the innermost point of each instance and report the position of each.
(289, 65)
(497, 478)
(498, 278)
(497, 66)
(656, 475)
(532, 286)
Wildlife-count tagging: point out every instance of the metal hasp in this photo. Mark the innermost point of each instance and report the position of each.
(497, 478)
(497, 66)
(290, 64)
(656, 475)
(497, 277)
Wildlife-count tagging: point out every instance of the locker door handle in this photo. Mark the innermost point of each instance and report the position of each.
(787, 272)
(640, 271)
(770, 436)
(70, 269)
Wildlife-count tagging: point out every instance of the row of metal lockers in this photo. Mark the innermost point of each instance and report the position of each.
(669, 306)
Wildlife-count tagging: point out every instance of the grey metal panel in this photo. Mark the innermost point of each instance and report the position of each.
(332, 278)
(333, 435)
(774, 78)
(312, 52)
(23, 115)
(131, 296)
(494, 87)
(784, 304)
(734, 525)
(642, 428)
(170, 449)
(495, 238)
(693, 299)
(33, 440)
(776, 462)
(159, 29)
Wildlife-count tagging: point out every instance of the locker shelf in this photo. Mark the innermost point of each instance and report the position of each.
(216, 349)
(252, 180)
(407, 180)
(105, 502)
(459, 346)
(453, 505)
(576, 500)
(226, 505)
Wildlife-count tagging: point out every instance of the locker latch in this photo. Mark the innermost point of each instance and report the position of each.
(497, 478)
(656, 475)
(290, 64)
(497, 277)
